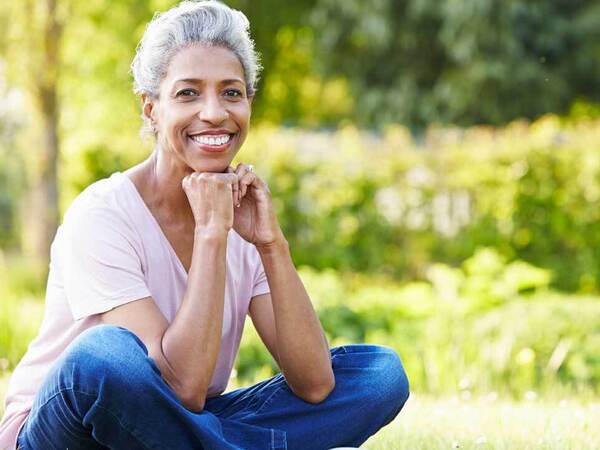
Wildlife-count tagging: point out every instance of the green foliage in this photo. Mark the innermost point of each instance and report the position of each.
(474, 328)
(293, 93)
(352, 200)
(470, 62)
(355, 201)
(22, 277)
(483, 222)
(373, 63)
(12, 171)
(19, 324)
(411, 62)
(21, 311)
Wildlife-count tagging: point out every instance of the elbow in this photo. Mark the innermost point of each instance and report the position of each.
(316, 396)
(193, 400)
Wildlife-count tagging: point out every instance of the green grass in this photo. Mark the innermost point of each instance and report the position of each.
(490, 423)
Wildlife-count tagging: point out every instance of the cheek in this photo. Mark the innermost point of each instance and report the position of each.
(172, 135)
(242, 115)
(174, 124)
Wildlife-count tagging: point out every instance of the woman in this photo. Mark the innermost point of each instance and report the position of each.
(154, 270)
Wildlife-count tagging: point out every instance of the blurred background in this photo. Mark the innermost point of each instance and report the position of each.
(435, 165)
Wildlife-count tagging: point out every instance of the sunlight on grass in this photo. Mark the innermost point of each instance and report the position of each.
(492, 423)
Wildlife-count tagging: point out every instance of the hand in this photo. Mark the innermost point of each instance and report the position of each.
(211, 198)
(254, 218)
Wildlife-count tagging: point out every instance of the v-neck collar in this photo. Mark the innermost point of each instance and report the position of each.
(155, 222)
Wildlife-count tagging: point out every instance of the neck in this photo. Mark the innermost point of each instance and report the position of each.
(164, 186)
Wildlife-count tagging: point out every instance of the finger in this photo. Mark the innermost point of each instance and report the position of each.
(185, 181)
(248, 179)
(242, 170)
(251, 170)
(232, 181)
(235, 193)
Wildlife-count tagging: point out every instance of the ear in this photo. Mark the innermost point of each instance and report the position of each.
(148, 108)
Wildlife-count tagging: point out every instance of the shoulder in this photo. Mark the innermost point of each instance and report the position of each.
(99, 230)
(100, 207)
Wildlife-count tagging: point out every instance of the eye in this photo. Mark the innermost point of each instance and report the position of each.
(186, 93)
(234, 93)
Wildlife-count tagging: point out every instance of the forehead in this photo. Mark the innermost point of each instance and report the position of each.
(204, 63)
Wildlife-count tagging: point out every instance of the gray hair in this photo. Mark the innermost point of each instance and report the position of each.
(207, 22)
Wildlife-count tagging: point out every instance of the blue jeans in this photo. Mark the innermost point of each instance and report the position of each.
(105, 392)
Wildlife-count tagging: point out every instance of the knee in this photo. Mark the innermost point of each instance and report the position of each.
(389, 378)
(106, 341)
(395, 378)
(107, 352)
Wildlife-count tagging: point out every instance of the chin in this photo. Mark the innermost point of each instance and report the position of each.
(210, 166)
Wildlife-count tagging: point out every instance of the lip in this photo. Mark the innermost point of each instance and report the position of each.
(212, 132)
(213, 148)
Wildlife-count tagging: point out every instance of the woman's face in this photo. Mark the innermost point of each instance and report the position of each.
(203, 111)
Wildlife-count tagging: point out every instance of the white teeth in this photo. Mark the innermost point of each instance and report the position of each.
(211, 140)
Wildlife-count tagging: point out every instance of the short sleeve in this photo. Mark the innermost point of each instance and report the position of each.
(99, 263)
(260, 284)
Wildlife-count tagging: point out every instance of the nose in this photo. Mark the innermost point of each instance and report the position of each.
(212, 110)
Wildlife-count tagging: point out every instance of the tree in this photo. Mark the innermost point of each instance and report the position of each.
(463, 62)
(37, 27)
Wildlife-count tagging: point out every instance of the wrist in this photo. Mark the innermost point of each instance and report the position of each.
(277, 245)
(216, 234)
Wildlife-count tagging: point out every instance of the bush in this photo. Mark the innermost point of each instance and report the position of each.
(353, 201)
(21, 309)
(488, 325)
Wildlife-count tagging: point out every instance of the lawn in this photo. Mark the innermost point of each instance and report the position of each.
(488, 422)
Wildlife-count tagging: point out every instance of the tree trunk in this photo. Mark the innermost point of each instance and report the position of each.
(46, 184)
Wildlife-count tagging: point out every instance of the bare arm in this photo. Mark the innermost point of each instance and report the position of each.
(185, 350)
(298, 342)
(192, 341)
(302, 346)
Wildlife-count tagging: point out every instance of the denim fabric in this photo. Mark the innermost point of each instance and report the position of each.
(105, 392)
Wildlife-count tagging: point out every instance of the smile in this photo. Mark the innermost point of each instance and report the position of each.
(213, 140)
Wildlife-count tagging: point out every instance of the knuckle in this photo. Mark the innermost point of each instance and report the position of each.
(222, 181)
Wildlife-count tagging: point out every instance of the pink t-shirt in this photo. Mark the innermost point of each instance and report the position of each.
(109, 251)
